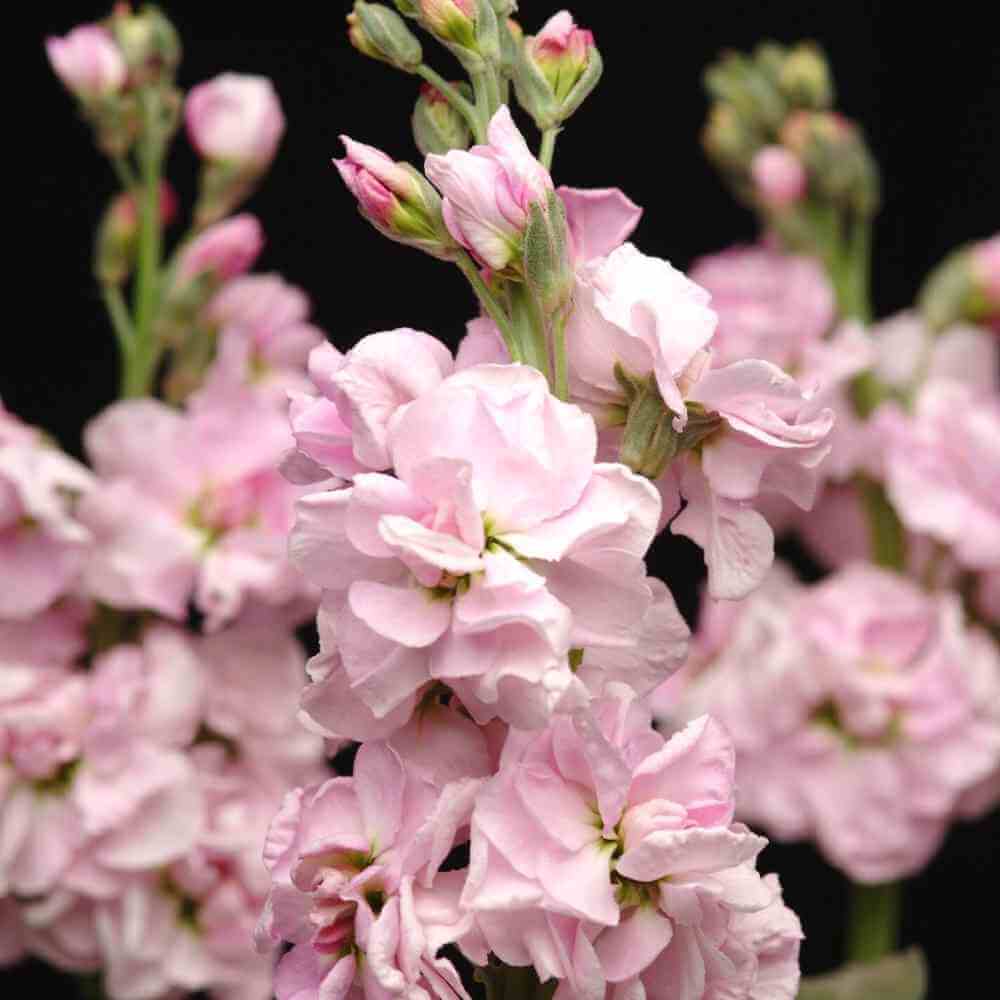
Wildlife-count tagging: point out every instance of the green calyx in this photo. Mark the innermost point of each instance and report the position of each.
(651, 441)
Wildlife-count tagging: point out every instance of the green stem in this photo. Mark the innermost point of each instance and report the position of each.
(888, 539)
(548, 147)
(529, 328)
(560, 363)
(493, 308)
(141, 370)
(874, 922)
(121, 323)
(454, 97)
(124, 172)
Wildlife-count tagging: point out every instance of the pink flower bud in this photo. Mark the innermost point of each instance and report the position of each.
(450, 20)
(986, 264)
(224, 250)
(88, 62)
(561, 51)
(778, 176)
(235, 118)
(381, 185)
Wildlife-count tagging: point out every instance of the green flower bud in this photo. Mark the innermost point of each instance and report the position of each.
(380, 33)
(437, 126)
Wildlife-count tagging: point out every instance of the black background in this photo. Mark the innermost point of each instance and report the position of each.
(923, 82)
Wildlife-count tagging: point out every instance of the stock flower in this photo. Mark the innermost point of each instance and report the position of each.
(606, 857)
(560, 50)
(496, 549)
(344, 429)
(190, 506)
(235, 118)
(43, 545)
(599, 220)
(942, 468)
(862, 710)
(223, 250)
(356, 886)
(88, 62)
(770, 305)
(488, 192)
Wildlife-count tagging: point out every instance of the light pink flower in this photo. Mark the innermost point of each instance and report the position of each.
(770, 305)
(42, 544)
(343, 430)
(599, 220)
(223, 250)
(60, 928)
(779, 177)
(88, 62)
(355, 865)
(488, 192)
(602, 854)
(496, 549)
(640, 313)
(190, 506)
(862, 710)
(235, 118)
(942, 468)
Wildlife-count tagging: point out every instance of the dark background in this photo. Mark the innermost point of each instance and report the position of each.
(923, 82)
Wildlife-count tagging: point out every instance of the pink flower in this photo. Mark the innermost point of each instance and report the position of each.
(602, 854)
(642, 314)
(489, 190)
(770, 305)
(942, 468)
(235, 118)
(862, 711)
(779, 177)
(190, 506)
(223, 250)
(356, 885)
(599, 220)
(344, 429)
(42, 543)
(496, 549)
(88, 62)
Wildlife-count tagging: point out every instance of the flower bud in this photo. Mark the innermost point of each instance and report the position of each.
(395, 198)
(748, 87)
(437, 126)
(726, 139)
(558, 68)
(222, 251)
(118, 233)
(89, 63)
(547, 266)
(804, 78)
(778, 176)
(380, 33)
(149, 42)
(451, 21)
(965, 286)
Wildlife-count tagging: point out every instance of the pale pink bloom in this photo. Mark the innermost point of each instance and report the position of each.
(602, 853)
(599, 220)
(223, 250)
(235, 118)
(488, 192)
(190, 506)
(343, 430)
(642, 314)
(88, 62)
(779, 177)
(481, 345)
(55, 638)
(60, 928)
(770, 305)
(428, 575)
(263, 338)
(772, 439)
(42, 544)
(862, 711)
(355, 865)
(942, 468)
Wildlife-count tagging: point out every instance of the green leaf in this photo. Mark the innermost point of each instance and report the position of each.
(902, 976)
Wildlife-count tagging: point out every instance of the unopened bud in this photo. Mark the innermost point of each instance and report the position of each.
(149, 42)
(450, 21)
(738, 81)
(965, 286)
(118, 234)
(804, 78)
(395, 198)
(437, 126)
(547, 267)
(726, 139)
(778, 176)
(558, 68)
(380, 33)
(89, 62)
